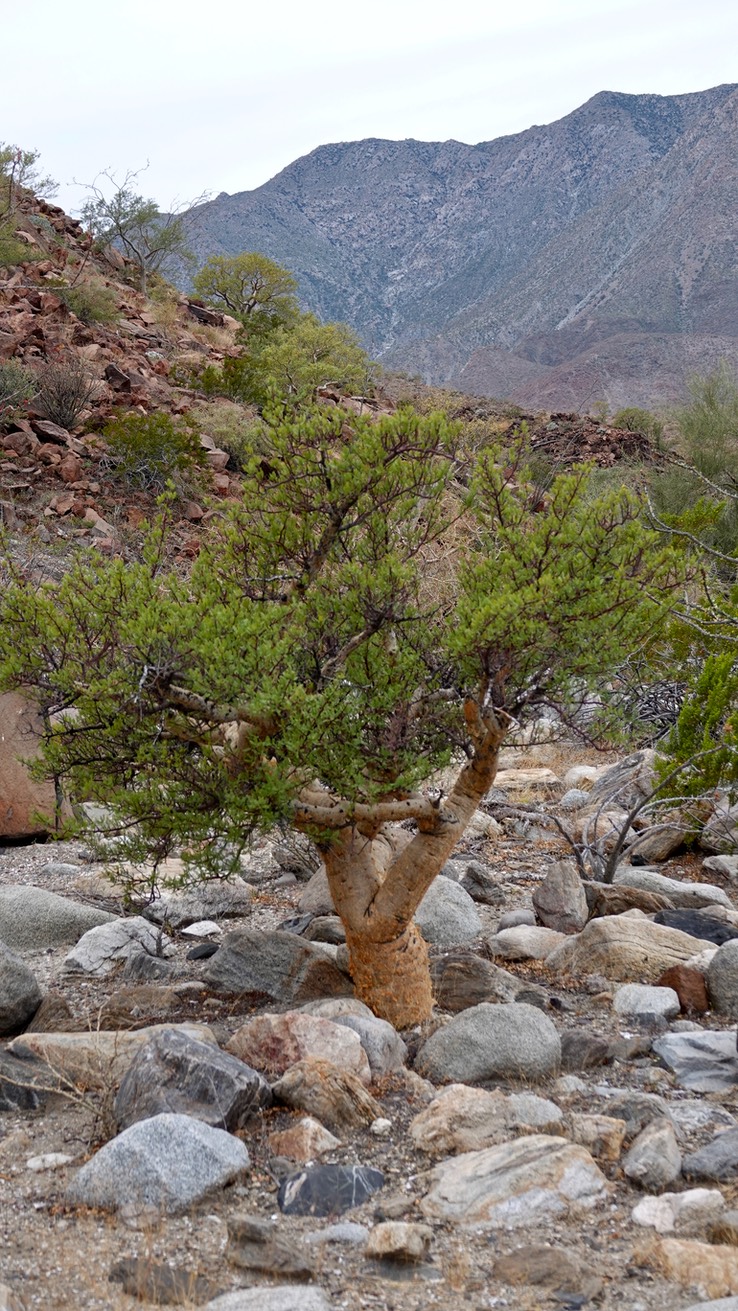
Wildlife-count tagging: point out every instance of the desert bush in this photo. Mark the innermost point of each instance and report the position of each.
(92, 302)
(65, 388)
(232, 428)
(12, 250)
(150, 450)
(635, 419)
(17, 387)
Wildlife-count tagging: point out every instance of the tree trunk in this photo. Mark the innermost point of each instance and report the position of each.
(379, 875)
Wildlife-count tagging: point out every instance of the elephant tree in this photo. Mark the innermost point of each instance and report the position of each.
(376, 606)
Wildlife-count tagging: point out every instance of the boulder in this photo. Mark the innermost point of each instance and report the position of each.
(207, 901)
(24, 800)
(560, 901)
(688, 1211)
(168, 1163)
(462, 979)
(711, 1270)
(328, 1189)
(602, 1135)
(689, 986)
(447, 915)
(701, 924)
(486, 1042)
(256, 1244)
(385, 1050)
(276, 1297)
(399, 1240)
(303, 1141)
(178, 1073)
(534, 1178)
(640, 1002)
(725, 867)
(278, 965)
(316, 898)
(705, 1061)
(717, 1160)
(96, 1059)
(680, 893)
(524, 942)
(654, 1160)
(20, 994)
(625, 948)
(32, 919)
(722, 979)
(100, 950)
(272, 1043)
(335, 1097)
(463, 1119)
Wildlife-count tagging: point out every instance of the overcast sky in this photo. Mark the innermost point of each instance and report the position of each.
(220, 96)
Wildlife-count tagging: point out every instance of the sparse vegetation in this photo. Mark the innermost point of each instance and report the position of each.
(65, 389)
(17, 388)
(117, 215)
(92, 302)
(148, 451)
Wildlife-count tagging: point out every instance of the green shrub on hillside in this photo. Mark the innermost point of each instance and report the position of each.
(65, 389)
(232, 428)
(148, 451)
(92, 302)
(635, 419)
(12, 250)
(17, 388)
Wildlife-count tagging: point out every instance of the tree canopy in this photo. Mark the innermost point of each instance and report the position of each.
(252, 287)
(313, 669)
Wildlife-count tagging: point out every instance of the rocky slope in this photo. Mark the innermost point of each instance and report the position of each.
(593, 258)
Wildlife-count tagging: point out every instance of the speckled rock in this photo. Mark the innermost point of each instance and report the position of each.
(32, 919)
(514, 1041)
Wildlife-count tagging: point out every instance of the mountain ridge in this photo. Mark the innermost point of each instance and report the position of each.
(434, 251)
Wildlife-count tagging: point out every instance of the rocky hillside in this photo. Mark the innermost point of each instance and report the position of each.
(590, 259)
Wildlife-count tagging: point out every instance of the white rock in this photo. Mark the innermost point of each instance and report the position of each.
(49, 1161)
(636, 999)
(100, 950)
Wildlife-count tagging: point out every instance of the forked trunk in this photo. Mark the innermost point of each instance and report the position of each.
(378, 876)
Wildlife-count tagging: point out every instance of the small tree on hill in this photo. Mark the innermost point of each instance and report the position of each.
(124, 219)
(253, 288)
(314, 671)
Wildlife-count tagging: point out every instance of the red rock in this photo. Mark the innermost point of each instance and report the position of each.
(221, 484)
(274, 1043)
(21, 799)
(70, 469)
(689, 986)
(50, 432)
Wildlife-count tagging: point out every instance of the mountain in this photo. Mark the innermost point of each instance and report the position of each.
(592, 258)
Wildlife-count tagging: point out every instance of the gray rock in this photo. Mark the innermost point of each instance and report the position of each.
(385, 1050)
(447, 916)
(627, 782)
(20, 994)
(693, 1114)
(143, 968)
(583, 1050)
(168, 1162)
(534, 1178)
(475, 878)
(525, 942)
(512, 918)
(174, 1072)
(101, 950)
(637, 1109)
(486, 1042)
(724, 866)
(641, 1002)
(717, 1160)
(22, 1084)
(560, 901)
(703, 1062)
(654, 1160)
(316, 896)
(462, 979)
(720, 834)
(574, 799)
(32, 919)
(256, 1244)
(209, 901)
(722, 1304)
(722, 979)
(277, 1297)
(279, 965)
(680, 893)
(346, 1231)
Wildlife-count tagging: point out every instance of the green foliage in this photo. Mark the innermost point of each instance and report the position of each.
(17, 389)
(121, 217)
(92, 302)
(233, 380)
(294, 361)
(252, 288)
(13, 251)
(65, 388)
(232, 428)
(635, 419)
(704, 740)
(309, 641)
(148, 451)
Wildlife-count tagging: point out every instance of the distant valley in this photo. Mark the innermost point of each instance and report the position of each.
(591, 260)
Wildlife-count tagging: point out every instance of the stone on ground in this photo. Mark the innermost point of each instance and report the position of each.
(516, 1184)
(168, 1162)
(624, 948)
(513, 1041)
(654, 1159)
(717, 1160)
(692, 896)
(100, 950)
(335, 1097)
(703, 1062)
(257, 1244)
(464, 1119)
(560, 901)
(722, 979)
(276, 1297)
(279, 965)
(32, 919)
(175, 1072)
(525, 942)
(447, 915)
(303, 1141)
(385, 1050)
(96, 1059)
(272, 1043)
(399, 1240)
(641, 1002)
(328, 1189)
(20, 994)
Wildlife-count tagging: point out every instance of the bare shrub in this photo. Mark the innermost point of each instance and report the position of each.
(65, 389)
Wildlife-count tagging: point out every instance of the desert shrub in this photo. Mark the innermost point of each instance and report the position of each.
(65, 389)
(233, 380)
(12, 250)
(232, 428)
(150, 450)
(17, 388)
(92, 302)
(635, 419)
